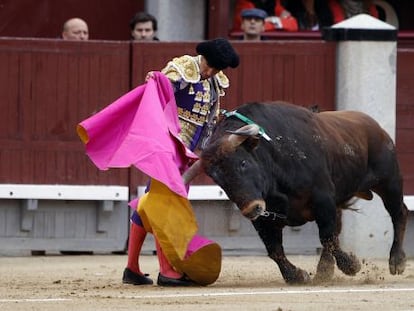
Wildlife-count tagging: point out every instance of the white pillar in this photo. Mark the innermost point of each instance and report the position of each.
(179, 20)
(366, 81)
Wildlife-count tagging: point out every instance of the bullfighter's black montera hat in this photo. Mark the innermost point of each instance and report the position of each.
(219, 53)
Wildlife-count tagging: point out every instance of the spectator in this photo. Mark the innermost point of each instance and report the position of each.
(316, 14)
(143, 27)
(198, 82)
(278, 17)
(75, 29)
(253, 24)
(311, 14)
(344, 9)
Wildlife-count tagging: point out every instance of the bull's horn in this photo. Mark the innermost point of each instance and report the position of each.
(192, 172)
(240, 135)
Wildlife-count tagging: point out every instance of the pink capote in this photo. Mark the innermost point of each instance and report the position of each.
(140, 129)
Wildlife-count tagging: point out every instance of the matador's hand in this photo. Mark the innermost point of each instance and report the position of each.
(149, 75)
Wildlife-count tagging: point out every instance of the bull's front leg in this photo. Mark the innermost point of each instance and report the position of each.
(326, 266)
(326, 219)
(271, 236)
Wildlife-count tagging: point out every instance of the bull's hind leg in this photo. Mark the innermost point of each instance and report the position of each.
(271, 236)
(392, 197)
(329, 228)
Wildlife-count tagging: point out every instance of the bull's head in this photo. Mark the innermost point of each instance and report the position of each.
(230, 162)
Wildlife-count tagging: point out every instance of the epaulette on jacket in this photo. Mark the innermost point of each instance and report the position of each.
(187, 68)
(222, 80)
(184, 67)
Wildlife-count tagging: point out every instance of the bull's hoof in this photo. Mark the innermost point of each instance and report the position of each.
(325, 270)
(397, 263)
(348, 264)
(299, 277)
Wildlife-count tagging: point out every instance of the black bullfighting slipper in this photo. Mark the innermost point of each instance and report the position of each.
(130, 277)
(166, 281)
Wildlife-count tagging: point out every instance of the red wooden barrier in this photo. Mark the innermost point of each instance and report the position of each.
(405, 116)
(48, 86)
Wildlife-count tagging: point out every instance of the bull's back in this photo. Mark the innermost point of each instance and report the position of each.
(279, 118)
(333, 128)
(353, 128)
(349, 144)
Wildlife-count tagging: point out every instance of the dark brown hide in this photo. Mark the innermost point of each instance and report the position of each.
(315, 164)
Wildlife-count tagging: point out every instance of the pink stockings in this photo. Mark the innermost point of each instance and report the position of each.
(137, 236)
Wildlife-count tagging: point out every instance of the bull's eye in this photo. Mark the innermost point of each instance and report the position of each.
(243, 164)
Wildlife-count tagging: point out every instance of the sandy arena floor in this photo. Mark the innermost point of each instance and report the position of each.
(57, 282)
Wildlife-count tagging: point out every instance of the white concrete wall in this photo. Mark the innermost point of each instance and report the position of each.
(366, 81)
(179, 20)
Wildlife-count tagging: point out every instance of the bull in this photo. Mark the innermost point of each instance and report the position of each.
(284, 165)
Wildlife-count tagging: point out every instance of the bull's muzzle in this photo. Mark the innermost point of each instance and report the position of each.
(254, 209)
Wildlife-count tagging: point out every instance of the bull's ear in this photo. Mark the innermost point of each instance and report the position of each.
(251, 143)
